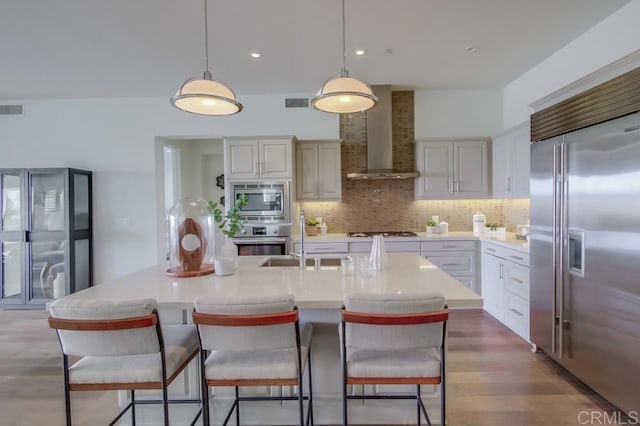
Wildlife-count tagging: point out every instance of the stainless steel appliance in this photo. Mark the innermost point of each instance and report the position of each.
(585, 255)
(266, 201)
(257, 239)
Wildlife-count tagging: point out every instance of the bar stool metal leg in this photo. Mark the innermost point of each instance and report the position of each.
(133, 407)
(418, 403)
(237, 407)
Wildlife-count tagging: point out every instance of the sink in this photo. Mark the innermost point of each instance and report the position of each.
(284, 261)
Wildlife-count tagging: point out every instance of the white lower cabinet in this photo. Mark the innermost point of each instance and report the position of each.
(505, 286)
(457, 258)
(324, 249)
(390, 247)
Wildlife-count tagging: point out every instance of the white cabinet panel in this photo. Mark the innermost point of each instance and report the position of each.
(457, 169)
(276, 159)
(258, 158)
(447, 245)
(328, 248)
(390, 246)
(511, 162)
(453, 263)
(492, 283)
(318, 170)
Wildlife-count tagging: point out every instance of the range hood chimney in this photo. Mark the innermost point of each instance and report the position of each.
(379, 141)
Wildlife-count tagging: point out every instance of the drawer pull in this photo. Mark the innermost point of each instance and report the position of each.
(516, 257)
(449, 246)
(517, 280)
(490, 249)
(516, 312)
(450, 264)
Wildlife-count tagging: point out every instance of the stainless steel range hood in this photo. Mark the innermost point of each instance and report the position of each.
(379, 140)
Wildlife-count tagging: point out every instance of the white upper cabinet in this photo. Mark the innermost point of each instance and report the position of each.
(258, 158)
(511, 166)
(452, 169)
(318, 172)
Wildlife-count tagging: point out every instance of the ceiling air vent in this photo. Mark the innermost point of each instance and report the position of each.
(296, 102)
(10, 109)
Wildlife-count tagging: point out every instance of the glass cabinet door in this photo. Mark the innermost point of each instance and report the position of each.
(47, 202)
(12, 235)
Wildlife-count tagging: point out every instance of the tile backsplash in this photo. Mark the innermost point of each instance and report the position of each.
(379, 209)
(386, 205)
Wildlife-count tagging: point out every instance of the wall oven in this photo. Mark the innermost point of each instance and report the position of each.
(265, 201)
(264, 240)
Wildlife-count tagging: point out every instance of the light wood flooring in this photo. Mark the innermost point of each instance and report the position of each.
(493, 378)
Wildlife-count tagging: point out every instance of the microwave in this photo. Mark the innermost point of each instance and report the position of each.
(265, 201)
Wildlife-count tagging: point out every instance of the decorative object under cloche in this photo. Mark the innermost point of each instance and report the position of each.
(191, 241)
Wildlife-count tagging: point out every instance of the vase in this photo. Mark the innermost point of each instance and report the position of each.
(229, 251)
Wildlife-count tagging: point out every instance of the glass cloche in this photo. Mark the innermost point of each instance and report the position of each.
(191, 242)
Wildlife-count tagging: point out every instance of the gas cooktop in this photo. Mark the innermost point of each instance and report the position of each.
(383, 233)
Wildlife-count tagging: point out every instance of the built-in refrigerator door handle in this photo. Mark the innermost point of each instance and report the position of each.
(554, 253)
(563, 244)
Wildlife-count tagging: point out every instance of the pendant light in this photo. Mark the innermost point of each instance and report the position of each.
(204, 95)
(343, 94)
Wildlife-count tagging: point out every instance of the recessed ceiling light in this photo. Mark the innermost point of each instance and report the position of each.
(360, 52)
(471, 49)
(255, 55)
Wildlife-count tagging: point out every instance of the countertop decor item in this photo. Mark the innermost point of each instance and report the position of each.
(343, 94)
(378, 258)
(432, 227)
(190, 237)
(311, 226)
(479, 221)
(232, 222)
(206, 96)
(229, 224)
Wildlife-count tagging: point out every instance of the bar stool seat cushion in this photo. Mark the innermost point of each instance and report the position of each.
(401, 363)
(181, 341)
(258, 364)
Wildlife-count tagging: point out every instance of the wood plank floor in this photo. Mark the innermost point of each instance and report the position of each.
(494, 378)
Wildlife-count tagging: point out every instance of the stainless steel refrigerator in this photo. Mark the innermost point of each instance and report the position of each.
(585, 256)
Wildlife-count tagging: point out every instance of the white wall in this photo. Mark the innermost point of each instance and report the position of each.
(115, 138)
(613, 38)
(457, 113)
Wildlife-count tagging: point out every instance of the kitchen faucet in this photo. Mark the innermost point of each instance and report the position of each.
(301, 256)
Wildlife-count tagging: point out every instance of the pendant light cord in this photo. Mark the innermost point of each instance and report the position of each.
(344, 72)
(206, 42)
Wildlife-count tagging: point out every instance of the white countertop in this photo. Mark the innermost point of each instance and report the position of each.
(508, 239)
(312, 289)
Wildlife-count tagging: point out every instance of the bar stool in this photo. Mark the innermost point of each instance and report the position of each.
(253, 341)
(122, 347)
(394, 339)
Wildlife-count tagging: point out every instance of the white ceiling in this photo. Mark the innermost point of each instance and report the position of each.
(109, 48)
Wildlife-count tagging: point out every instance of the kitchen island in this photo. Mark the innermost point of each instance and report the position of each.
(319, 294)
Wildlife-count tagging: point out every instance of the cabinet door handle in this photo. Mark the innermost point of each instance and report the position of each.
(257, 168)
(520, 314)
(451, 184)
(501, 271)
(516, 257)
(490, 249)
(508, 184)
(457, 186)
